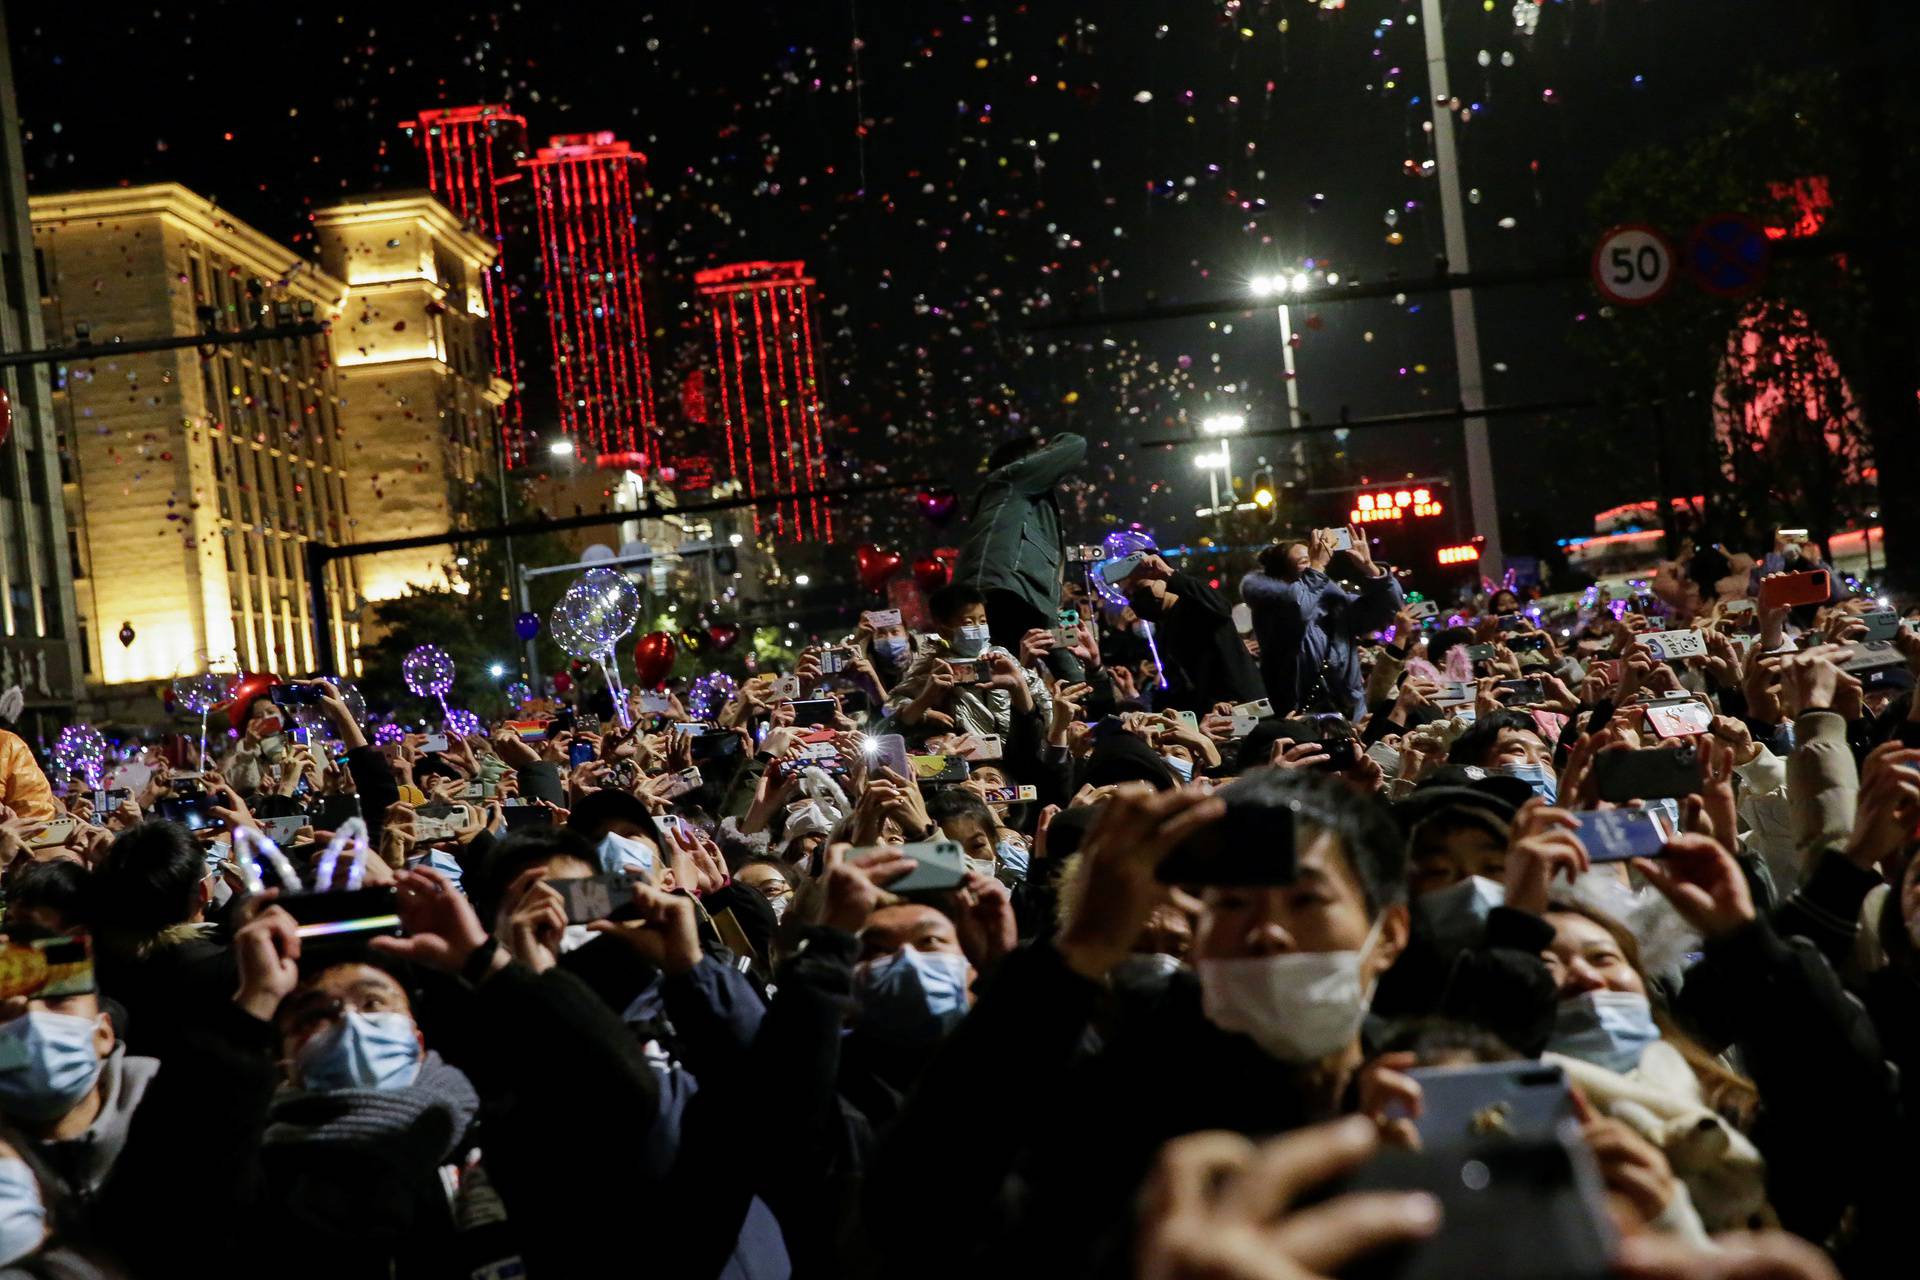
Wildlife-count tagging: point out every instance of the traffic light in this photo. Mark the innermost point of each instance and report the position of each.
(1263, 489)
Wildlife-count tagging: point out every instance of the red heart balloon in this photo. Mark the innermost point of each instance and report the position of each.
(875, 566)
(653, 659)
(246, 687)
(562, 683)
(932, 574)
(723, 635)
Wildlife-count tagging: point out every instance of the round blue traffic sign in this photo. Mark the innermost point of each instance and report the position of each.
(1728, 253)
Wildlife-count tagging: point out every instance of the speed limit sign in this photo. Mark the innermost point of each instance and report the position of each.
(1633, 265)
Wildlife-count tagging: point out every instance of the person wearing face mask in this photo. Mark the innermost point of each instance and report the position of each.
(119, 1139)
(1479, 874)
(1012, 554)
(1262, 1037)
(930, 699)
(1509, 742)
(354, 1145)
(890, 650)
(771, 879)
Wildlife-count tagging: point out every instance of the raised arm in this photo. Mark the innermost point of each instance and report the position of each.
(1045, 467)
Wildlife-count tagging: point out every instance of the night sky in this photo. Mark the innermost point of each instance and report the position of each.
(952, 171)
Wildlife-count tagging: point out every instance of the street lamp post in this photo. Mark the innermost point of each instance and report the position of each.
(1466, 331)
(1265, 286)
(1221, 426)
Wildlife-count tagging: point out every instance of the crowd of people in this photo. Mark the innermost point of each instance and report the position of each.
(1080, 931)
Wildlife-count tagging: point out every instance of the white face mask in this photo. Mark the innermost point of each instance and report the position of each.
(972, 641)
(1300, 1007)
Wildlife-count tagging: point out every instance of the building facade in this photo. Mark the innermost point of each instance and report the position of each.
(39, 645)
(193, 478)
(423, 406)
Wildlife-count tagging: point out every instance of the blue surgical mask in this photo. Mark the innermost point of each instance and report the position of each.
(625, 853)
(1182, 769)
(911, 996)
(23, 1216)
(1610, 1029)
(47, 1063)
(971, 642)
(1456, 916)
(361, 1051)
(1537, 776)
(1014, 859)
(892, 650)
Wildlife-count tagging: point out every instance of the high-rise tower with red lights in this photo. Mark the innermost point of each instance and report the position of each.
(766, 389)
(590, 261)
(471, 154)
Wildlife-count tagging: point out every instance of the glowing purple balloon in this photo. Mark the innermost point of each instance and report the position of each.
(80, 749)
(428, 671)
(463, 723)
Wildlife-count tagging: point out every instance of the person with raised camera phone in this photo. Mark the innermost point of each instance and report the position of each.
(1309, 625)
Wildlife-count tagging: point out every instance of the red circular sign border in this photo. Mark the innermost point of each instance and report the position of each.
(1599, 280)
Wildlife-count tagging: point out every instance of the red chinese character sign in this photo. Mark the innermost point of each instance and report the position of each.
(1395, 504)
(766, 391)
(590, 262)
(471, 154)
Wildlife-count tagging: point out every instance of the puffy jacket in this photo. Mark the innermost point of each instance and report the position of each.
(23, 787)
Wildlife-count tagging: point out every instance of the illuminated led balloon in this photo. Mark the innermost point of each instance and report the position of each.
(81, 750)
(567, 624)
(428, 671)
(198, 694)
(463, 723)
(518, 693)
(710, 693)
(388, 735)
(350, 694)
(608, 605)
(1118, 545)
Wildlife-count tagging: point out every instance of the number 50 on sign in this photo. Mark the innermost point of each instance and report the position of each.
(1633, 265)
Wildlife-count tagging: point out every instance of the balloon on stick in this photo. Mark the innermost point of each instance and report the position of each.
(428, 671)
(80, 749)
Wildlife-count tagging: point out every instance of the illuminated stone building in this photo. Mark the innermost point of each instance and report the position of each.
(421, 402)
(193, 478)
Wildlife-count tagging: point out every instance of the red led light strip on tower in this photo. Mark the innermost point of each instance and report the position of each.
(789, 443)
(591, 265)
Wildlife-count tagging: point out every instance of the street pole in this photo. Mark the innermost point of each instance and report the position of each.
(1293, 383)
(1466, 332)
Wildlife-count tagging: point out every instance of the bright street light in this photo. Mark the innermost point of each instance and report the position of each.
(801, 580)
(1300, 281)
(735, 539)
(497, 670)
(560, 448)
(1223, 424)
(1265, 286)
(1210, 462)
